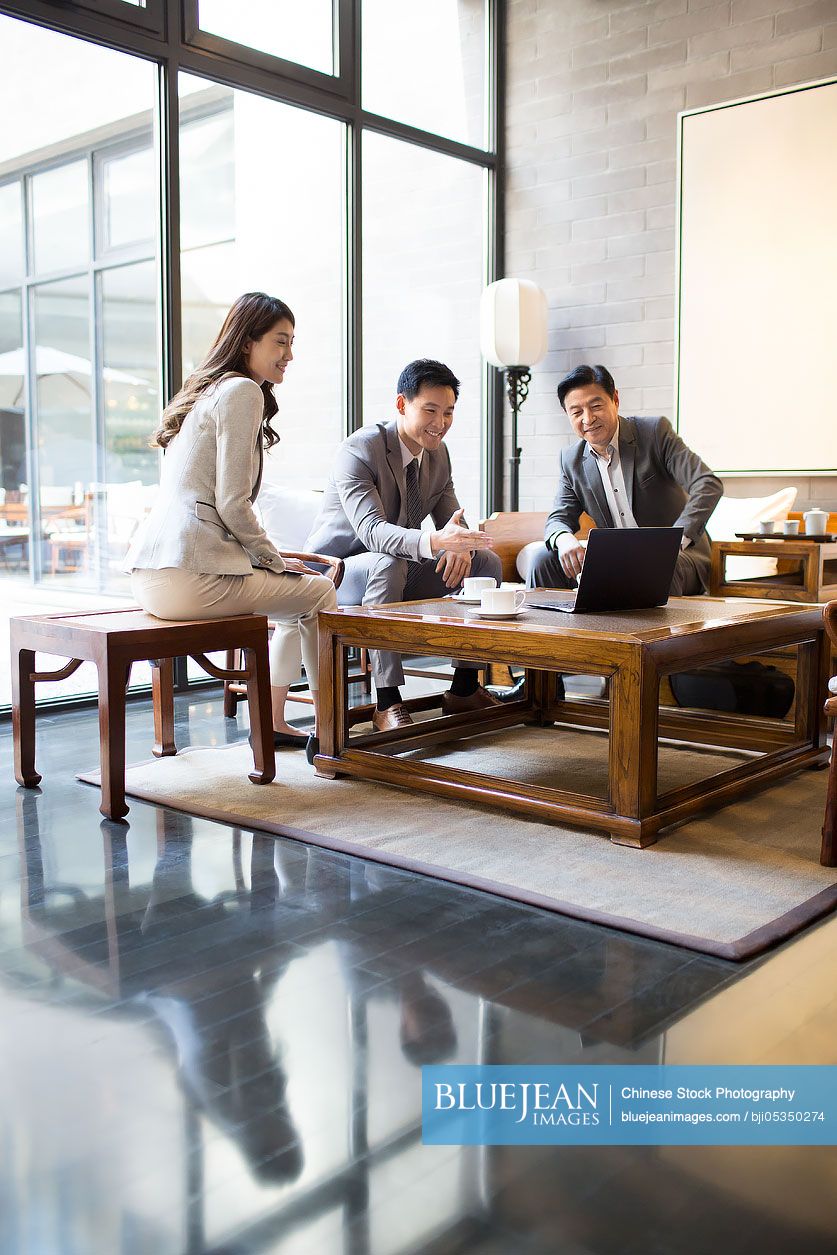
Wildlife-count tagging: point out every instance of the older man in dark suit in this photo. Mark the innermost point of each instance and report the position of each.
(386, 480)
(624, 472)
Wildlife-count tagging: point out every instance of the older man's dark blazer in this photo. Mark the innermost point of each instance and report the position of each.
(667, 484)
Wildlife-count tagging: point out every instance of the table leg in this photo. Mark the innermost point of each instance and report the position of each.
(230, 698)
(113, 679)
(162, 688)
(366, 668)
(257, 666)
(333, 700)
(632, 767)
(540, 690)
(812, 675)
(23, 716)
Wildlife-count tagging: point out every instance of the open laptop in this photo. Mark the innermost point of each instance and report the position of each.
(625, 568)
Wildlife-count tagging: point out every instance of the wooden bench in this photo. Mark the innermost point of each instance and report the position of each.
(513, 530)
(114, 640)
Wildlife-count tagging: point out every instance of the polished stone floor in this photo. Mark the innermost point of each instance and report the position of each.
(211, 1041)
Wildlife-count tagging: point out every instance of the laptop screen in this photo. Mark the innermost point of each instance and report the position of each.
(628, 568)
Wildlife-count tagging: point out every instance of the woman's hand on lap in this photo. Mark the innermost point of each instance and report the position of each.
(299, 568)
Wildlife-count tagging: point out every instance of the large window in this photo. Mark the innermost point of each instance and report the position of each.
(423, 273)
(334, 153)
(258, 214)
(424, 64)
(80, 319)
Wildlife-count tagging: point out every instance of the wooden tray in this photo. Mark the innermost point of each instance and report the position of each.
(821, 538)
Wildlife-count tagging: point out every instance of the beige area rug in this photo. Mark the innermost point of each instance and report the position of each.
(729, 883)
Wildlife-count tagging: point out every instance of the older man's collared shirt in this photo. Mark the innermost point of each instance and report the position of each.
(406, 458)
(613, 482)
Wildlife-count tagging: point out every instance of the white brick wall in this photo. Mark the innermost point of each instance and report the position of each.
(594, 88)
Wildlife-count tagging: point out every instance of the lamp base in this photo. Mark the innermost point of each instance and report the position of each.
(518, 379)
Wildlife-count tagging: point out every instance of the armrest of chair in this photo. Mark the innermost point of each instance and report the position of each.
(335, 565)
(830, 615)
(512, 531)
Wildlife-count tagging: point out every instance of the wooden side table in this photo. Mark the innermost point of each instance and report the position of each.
(113, 640)
(813, 577)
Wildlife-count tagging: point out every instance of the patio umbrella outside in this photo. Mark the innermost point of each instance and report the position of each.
(50, 361)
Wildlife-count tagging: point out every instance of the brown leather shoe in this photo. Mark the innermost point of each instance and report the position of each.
(453, 704)
(397, 716)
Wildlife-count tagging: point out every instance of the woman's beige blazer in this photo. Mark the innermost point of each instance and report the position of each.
(203, 519)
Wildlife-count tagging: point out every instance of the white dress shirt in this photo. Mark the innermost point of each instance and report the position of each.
(613, 482)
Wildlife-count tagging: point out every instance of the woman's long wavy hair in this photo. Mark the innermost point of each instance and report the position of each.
(252, 315)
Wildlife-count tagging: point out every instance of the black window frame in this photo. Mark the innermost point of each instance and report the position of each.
(149, 16)
(339, 83)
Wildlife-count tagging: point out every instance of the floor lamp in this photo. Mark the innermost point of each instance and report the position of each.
(513, 337)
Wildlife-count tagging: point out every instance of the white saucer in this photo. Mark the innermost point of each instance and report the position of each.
(479, 613)
(469, 601)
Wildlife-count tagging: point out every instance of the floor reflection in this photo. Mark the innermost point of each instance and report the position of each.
(213, 1042)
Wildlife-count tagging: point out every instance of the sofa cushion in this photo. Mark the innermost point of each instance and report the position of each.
(526, 557)
(742, 514)
(288, 514)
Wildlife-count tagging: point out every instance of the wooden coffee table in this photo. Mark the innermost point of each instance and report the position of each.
(634, 651)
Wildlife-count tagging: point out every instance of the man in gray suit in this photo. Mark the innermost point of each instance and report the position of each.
(386, 479)
(624, 472)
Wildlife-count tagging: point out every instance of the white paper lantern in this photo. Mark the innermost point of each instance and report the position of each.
(513, 323)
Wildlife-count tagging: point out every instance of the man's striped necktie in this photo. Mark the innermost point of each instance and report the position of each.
(415, 514)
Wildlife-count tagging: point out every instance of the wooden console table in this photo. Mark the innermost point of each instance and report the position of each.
(813, 579)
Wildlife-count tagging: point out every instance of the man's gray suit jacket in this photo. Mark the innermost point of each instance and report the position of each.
(667, 484)
(365, 504)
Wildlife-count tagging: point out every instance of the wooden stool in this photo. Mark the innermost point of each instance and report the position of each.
(113, 640)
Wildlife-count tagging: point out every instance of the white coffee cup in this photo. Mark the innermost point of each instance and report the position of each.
(790, 527)
(502, 600)
(475, 585)
(816, 521)
(766, 526)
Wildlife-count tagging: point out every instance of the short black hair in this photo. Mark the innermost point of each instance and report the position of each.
(425, 371)
(582, 377)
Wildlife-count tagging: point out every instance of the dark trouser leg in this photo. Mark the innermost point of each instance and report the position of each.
(546, 571)
(687, 581)
(375, 579)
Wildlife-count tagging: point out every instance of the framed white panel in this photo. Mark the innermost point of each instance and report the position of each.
(757, 300)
